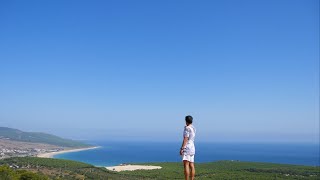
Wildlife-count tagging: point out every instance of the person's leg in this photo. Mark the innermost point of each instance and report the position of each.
(193, 170)
(186, 169)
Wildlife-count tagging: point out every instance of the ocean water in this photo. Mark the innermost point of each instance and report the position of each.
(114, 153)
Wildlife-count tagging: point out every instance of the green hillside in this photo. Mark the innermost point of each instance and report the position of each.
(65, 169)
(7, 173)
(231, 170)
(60, 169)
(37, 137)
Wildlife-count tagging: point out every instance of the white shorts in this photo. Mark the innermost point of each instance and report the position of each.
(189, 158)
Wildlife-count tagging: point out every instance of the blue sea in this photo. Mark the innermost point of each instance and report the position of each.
(115, 153)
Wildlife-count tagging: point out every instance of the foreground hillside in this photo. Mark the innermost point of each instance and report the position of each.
(65, 169)
(232, 170)
(38, 137)
(57, 169)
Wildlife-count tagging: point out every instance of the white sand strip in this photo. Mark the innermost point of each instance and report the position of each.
(132, 167)
(51, 154)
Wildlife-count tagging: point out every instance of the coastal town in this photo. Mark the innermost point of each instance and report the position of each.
(10, 148)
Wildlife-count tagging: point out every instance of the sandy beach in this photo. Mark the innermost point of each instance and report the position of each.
(51, 154)
(126, 167)
(132, 167)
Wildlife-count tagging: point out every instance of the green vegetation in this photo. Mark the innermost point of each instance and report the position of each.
(66, 169)
(36, 137)
(61, 169)
(6, 173)
(231, 170)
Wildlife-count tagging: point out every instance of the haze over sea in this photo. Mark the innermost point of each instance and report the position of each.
(115, 153)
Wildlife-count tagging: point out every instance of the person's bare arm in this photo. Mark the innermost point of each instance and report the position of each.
(184, 143)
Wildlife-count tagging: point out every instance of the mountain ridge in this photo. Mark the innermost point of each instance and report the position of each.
(39, 137)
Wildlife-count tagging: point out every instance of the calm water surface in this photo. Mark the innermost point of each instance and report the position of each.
(114, 153)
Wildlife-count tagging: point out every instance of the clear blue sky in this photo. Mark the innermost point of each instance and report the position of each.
(246, 70)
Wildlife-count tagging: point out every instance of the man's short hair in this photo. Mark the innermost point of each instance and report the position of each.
(189, 119)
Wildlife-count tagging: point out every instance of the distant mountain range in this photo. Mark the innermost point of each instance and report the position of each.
(38, 137)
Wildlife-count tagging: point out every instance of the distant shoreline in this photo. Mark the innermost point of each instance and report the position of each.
(52, 154)
(129, 167)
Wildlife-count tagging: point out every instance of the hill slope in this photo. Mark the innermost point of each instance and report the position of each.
(65, 169)
(231, 170)
(38, 137)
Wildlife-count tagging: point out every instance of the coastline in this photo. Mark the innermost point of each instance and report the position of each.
(126, 167)
(129, 167)
(52, 154)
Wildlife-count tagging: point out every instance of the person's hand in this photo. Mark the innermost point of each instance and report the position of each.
(181, 152)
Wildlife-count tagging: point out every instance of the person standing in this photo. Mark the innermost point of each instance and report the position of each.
(187, 150)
